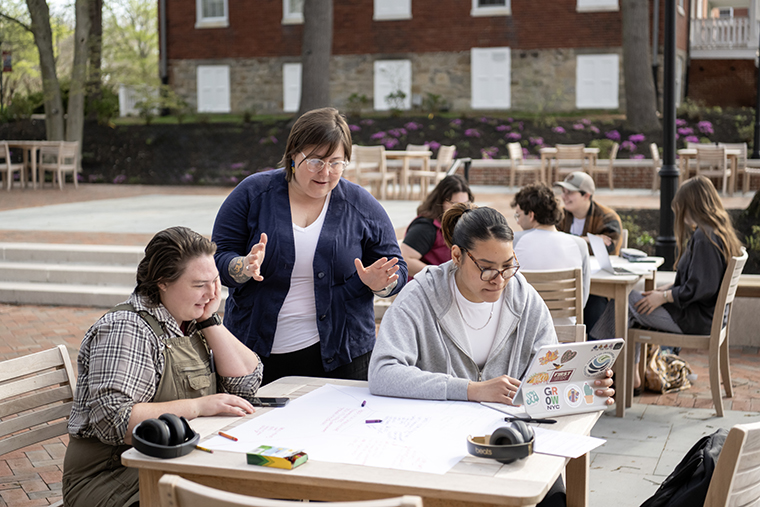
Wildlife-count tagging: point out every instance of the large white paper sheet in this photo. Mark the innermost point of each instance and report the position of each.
(330, 425)
(567, 445)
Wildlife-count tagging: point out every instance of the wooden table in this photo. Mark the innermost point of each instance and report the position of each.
(617, 288)
(549, 152)
(30, 149)
(406, 156)
(472, 482)
(687, 154)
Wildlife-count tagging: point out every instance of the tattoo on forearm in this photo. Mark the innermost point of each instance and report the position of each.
(237, 271)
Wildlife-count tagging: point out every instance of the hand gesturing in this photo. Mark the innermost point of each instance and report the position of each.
(379, 275)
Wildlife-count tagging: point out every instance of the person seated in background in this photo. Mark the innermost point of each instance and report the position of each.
(540, 246)
(583, 216)
(150, 356)
(467, 329)
(423, 243)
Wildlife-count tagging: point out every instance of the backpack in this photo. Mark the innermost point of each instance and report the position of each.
(666, 373)
(687, 485)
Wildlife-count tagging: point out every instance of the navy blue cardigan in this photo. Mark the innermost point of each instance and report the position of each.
(355, 226)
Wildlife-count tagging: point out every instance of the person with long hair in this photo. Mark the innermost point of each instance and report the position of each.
(423, 243)
(304, 252)
(705, 241)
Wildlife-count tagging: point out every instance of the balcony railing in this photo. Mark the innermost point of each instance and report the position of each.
(729, 33)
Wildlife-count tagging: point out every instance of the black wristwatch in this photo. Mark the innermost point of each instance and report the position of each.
(214, 320)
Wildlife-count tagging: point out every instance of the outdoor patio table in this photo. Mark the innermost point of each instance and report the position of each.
(548, 153)
(687, 154)
(405, 157)
(30, 149)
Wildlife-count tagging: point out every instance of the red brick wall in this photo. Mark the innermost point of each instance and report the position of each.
(256, 29)
(725, 83)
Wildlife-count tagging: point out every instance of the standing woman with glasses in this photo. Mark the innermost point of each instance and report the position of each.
(303, 252)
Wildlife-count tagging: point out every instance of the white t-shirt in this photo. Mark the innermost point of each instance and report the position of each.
(539, 250)
(479, 341)
(576, 229)
(297, 320)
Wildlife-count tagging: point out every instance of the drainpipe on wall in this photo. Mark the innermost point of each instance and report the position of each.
(163, 72)
(655, 49)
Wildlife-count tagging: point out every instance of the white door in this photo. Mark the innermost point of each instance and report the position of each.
(214, 89)
(596, 81)
(489, 76)
(291, 87)
(392, 77)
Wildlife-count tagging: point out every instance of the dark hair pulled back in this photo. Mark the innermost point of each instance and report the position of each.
(464, 224)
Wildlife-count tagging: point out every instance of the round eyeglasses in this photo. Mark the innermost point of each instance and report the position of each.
(315, 165)
(488, 274)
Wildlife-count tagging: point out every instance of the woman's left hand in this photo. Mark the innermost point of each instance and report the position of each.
(378, 275)
(604, 387)
(213, 303)
(652, 300)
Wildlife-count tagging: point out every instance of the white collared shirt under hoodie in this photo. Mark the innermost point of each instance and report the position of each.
(480, 327)
(297, 320)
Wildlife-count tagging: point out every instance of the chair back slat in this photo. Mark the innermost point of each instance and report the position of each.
(736, 479)
(571, 333)
(444, 159)
(726, 294)
(561, 290)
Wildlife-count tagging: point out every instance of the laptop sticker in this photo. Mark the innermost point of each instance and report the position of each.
(573, 395)
(598, 364)
(549, 357)
(538, 378)
(588, 393)
(568, 356)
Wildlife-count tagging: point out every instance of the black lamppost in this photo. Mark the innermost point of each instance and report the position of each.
(756, 141)
(666, 241)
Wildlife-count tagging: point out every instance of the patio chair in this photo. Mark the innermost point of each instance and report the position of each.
(716, 342)
(517, 165)
(571, 333)
(568, 159)
(371, 169)
(656, 166)
(741, 161)
(444, 160)
(751, 168)
(350, 171)
(9, 167)
(606, 169)
(712, 162)
(417, 170)
(561, 290)
(175, 491)
(59, 160)
(736, 479)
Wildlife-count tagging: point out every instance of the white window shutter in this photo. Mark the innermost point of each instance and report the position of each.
(393, 9)
(490, 70)
(291, 87)
(213, 88)
(392, 76)
(596, 81)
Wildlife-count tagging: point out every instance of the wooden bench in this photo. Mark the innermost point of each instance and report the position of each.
(749, 286)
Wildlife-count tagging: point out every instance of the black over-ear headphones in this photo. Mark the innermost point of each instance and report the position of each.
(505, 445)
(168, 436)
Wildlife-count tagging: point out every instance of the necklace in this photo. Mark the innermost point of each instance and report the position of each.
(465, 320)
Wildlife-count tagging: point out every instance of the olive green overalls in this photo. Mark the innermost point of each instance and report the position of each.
(93, 475)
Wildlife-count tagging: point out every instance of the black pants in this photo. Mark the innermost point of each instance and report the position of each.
(308, 363)
(593, 310)
(556, 497)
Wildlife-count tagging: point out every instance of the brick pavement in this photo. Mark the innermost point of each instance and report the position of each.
(32, 476)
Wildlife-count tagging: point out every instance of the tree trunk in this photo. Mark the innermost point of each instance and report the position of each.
(43, 38)
(316, 49)
(75, 112)
(94, 84)
(640, 98)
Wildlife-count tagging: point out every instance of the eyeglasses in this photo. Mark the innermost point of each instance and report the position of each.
(489, 274)
(317, 164)
(517, 216)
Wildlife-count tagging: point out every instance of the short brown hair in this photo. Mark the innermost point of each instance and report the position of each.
(319, 127)
(166, 257)
(539, 199)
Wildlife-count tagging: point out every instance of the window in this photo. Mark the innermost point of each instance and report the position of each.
(679, 80)
(596, 81)
(213, 88)
(726, 12)
(393, 84)
(291, 87)
(292, 12)
(490, 70)
(392, 9)
(597, 5)
(491, 8)
(211, 14)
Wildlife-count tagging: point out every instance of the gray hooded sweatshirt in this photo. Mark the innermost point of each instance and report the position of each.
(420, 351)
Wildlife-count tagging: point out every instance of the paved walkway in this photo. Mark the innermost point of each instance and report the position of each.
(641, 449)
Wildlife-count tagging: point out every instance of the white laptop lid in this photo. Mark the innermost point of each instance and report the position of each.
(560, 378)
(602, 256)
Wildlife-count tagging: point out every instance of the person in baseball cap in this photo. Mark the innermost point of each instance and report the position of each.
(578, 182)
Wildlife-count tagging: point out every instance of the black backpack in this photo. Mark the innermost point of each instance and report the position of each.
(687, 485)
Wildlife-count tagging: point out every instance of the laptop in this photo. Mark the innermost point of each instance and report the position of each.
(603, 257)
(560, 378)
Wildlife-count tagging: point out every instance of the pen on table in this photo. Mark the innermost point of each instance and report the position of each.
(225, 435)
(204, 449)
(371, 421)
(530, 420)
(364, 403)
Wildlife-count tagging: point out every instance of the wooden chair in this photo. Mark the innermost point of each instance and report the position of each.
(36, 395)
(417, 170)
(371, 169)
(561, 290)
(712, 162)
(570, 333)
(751, 168)
(716, 342)
(568, 159)
(8, 167)
(59, 160)
(518, 167)
(736, 479)
(741, 161)
(656, 165)
(606, 169)
(349, 172)
(175, 491)
(443, 161)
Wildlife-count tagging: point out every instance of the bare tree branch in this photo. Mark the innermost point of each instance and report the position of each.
(19, 23)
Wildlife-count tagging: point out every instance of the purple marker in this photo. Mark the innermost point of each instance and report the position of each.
(364, 403)
(372, 421)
